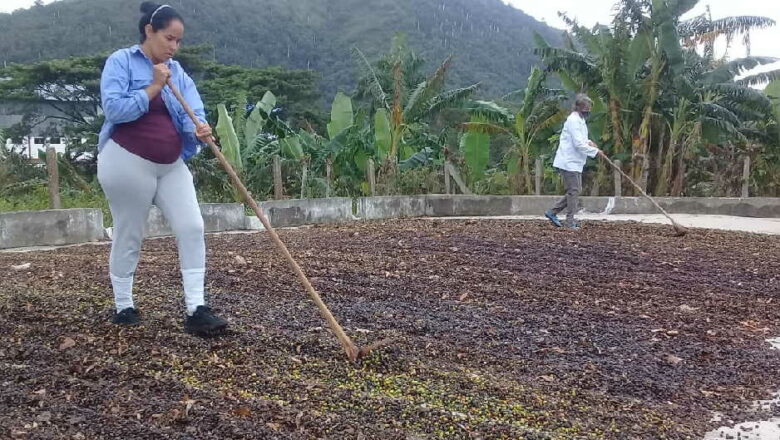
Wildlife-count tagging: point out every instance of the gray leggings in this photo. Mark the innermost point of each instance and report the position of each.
(132, 185)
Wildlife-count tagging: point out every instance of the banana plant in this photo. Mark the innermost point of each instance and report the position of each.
(537, 114)
(403, 108)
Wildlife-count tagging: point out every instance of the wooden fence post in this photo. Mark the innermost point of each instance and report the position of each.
(447, 184)
(304, 175)
(538, 177)
(54, 178)
(618, 180)
(746, 178)
(278, 186)
(328, 177)
(456, 177)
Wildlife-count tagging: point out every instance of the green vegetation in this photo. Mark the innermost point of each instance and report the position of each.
(679, 118)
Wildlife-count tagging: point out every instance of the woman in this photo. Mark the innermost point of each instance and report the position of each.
(142, 147)
(573, 152)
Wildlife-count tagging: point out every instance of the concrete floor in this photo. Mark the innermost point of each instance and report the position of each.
(722, 222)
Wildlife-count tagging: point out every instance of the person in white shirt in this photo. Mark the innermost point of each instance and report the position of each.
(573, 152)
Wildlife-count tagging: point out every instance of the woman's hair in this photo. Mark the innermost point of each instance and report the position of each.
(580, 101)
(159, 16)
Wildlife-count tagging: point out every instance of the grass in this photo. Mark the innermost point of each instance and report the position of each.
(37, 199)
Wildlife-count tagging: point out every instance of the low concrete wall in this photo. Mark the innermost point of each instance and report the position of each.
(377, 208)
(752, 207)
(372, 208)
(50, 228)
(217, 217)
(287, 213)
(71, 226)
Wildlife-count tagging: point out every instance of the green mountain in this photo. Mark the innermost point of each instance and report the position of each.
(492, 43)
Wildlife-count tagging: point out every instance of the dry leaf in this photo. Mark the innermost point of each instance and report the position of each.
(549, 378)
(462, 297)
(274, 426)
(242, 411)
(67, 343)
(24, 266)
(672, 359)
(241, 261)
(709, 393)
(44, 417)
(688, 309)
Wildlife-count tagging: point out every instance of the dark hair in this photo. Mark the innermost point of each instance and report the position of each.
(160, 20)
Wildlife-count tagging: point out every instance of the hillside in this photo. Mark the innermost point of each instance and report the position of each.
(492, 42)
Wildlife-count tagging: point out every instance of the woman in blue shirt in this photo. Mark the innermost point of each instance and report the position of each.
(142, 147)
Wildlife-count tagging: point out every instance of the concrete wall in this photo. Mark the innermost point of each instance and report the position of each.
(59, 227)
(50, 228)
(288, 213)
(752, 207)
(217, 217)
(371, 208)
(376, 208)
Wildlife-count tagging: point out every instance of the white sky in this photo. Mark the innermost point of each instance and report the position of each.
(589, 12)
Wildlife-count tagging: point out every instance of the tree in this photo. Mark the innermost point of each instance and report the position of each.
(72, 87)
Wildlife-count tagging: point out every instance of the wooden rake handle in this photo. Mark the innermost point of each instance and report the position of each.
(676, 225)
(349, 347)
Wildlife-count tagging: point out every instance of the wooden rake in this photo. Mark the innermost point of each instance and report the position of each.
(353, 352)
(679, 230)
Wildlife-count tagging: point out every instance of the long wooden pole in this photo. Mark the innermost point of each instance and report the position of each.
(679, 229)
(349, 347)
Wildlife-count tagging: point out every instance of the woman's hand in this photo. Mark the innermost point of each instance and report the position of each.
(161, 74)
(203, 132)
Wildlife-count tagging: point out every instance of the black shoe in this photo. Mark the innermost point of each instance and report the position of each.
(204, 323)
(553, 219)
(128, 316)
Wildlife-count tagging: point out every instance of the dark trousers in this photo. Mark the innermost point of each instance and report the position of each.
(572, 181)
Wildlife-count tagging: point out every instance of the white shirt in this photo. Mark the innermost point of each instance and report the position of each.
(574, 148)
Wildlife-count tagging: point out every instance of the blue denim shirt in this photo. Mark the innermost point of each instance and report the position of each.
(125, 76)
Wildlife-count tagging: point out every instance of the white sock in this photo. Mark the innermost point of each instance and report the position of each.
(123, 292)
(193, 281)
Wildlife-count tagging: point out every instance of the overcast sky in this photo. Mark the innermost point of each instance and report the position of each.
(590, 12)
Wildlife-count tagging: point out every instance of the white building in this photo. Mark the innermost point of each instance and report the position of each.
(48, 133)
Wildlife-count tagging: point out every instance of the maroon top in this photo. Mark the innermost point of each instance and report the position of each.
(152, 136)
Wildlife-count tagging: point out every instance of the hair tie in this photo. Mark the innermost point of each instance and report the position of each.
(156, 11)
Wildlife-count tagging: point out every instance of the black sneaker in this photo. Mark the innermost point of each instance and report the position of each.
(204, 323)
(128, 316)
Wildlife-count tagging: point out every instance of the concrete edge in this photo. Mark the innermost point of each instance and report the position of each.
(73, 226)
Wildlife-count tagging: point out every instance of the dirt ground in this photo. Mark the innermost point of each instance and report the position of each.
(501, 329)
